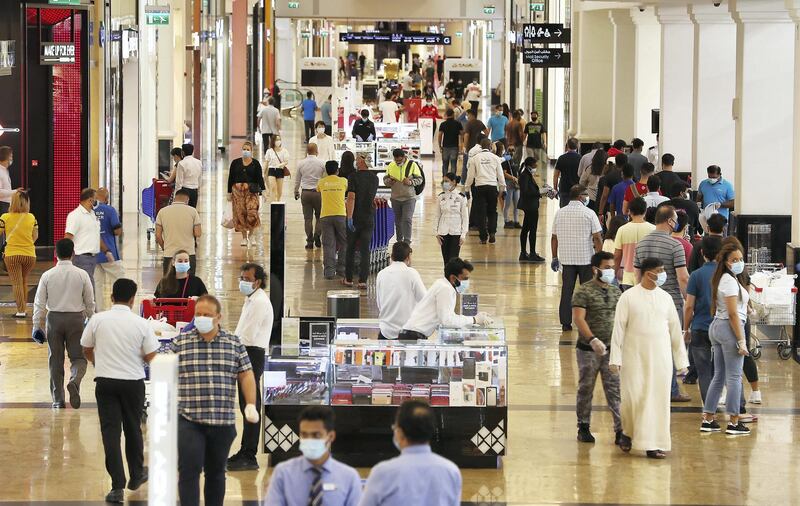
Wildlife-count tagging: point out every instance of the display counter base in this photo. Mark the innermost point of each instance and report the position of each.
(471, 437)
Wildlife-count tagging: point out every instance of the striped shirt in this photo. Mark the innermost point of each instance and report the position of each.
(207, 375)
(661, 245)
(573, 227)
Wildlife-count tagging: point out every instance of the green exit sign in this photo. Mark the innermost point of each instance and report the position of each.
(489, 9)
(489, 35)
(158, 19)
(459, 34)
(294, 5)
(64, 2)
(537, 6)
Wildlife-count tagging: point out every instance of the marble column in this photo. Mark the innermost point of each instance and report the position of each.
(590, 97)
(647, 72)
(623, 88)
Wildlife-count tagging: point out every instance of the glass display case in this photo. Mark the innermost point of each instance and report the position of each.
(355, 329)
(293, 379)
(474, 334)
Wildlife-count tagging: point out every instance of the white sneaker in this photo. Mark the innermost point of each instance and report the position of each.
(723, 396)
(755, 397)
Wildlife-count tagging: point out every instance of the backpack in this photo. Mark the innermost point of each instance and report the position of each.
(420, 187)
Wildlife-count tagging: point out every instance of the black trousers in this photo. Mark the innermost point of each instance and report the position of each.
(192, 196)
(362, 236)
(266, 140)
(252, 431)
(165, 264)
(120, 404)
(485, 205)
(530, 226)
(203, 448)
(309, 124)
(451, 247)
(569, 276)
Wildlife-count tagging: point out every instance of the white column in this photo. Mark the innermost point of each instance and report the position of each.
(166, 79)
(592, 53)
(714, 90)
(623, 102)
(765, 74)
(677, 77)
(647, 72)
(148, 140)
(794, 6)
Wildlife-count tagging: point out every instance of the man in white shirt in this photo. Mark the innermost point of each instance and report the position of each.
(485, 169)
(474, 94)
(388, 110)
(437, 307)
(324, 143)
(253, 330)
(269, 123)
(653, 198)
(116, 342)
(189, 174)
(83, 227)
(309, 171)
(399, 288)
(6, 192)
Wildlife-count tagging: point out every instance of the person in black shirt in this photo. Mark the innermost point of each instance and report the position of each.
(565, 175)
(667, 176)
(179, 283)
(364, 128)
(450, 142)
(611, 177)
(347, 165)
(678, 200)
(536, 139)
(529, 196)
(361, 189)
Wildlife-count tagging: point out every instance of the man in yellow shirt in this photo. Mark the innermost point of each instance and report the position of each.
(332, 220)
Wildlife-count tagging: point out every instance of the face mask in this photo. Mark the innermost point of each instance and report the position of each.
(713, 180)
(447, 186)
(182, 267)
(278, 144)
(313, 449)
(204, 324)
(364, 118)
(506, 157)
(532, 169)
(246, 287)
(661, 278)
(677, 227)
(737, 267)
(463, 286)
(585, 201)
(246, 153)
(320, 131)
(534, 119)
(607, 276)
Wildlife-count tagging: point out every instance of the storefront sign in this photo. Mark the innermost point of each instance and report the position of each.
(157, 14)
(489, 9)
(57, 53)
(431, 39)
(546, 57)
(546, 33)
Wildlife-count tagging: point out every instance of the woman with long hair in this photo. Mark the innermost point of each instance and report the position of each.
(245, 184)
(178, 282)
(729, 301)
(348, 164)
(277, 159)
(21, 230)
(591, 177)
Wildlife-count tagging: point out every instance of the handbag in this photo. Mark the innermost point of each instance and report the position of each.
(286, 172)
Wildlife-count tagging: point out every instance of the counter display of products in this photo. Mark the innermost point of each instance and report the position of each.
(366, 149)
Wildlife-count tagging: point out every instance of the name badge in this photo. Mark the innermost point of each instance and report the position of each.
(328, 487)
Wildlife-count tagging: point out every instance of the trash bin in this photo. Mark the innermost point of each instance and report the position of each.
(344, 303)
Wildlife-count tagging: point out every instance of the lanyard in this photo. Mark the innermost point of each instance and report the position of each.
(185, 284)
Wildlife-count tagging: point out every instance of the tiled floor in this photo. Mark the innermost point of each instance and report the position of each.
(56, 456)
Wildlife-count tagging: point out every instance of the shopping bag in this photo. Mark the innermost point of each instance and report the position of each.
(227, 216)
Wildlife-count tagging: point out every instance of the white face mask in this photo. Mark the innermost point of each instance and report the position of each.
(463, 286)
(204, 324)
(278, 144)
(447, 186)
(320, 131)
(607, 276)
(661, 278)
(313, 449)
(246, 153)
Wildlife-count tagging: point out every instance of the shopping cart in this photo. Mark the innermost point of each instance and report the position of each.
(777, 313)
(174, 310)
(155, 197)
(383, 232)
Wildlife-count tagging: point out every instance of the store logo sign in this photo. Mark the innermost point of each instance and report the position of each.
(57, 53)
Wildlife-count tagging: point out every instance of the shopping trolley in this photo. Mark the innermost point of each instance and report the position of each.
(770, 312)
(174, 310)
(383, 232)
(155, 197)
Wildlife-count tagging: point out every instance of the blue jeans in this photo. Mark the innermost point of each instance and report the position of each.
(450, 160)
(512, 197)
(727, 368)
(700, 350)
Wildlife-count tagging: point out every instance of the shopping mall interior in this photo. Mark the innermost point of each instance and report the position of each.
(98, 93)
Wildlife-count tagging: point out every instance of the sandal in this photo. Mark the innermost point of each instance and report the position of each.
(347, 283)
(656, 454)
(362, 286)
(625, 443)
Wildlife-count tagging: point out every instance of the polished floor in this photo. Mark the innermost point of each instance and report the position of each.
(56, 456)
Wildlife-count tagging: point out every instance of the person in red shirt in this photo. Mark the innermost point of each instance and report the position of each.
(641, 186)
(429, 110)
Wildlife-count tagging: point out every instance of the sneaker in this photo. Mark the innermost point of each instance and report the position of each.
(566, 328)
(711, 426)
(483, 241)
(584, 435)
(681, 398)
(737, 430)
(517, 225)
(233, 458)
(310, 245)
(509, 224)
(318, 241)
(135, 483)
(347, 283)
(523, 257)
(245, 463)
(74, 395)
(755, 397)
(533, 257)
(492, 240)
(116, 496)
(59, 405)
(20, 315)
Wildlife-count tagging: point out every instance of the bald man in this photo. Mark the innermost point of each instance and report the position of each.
(110, 228)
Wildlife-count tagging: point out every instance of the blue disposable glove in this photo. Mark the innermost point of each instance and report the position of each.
(555, 265)
(350, 226)
(38, 336)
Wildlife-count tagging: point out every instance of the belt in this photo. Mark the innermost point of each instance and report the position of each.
(307, 190)
(411, 335)
(86, 254)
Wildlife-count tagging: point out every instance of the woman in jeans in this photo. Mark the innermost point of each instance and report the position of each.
(731, 299)
(511, 173)
(21, 231)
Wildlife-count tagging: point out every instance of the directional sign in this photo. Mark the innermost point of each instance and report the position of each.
(157, 14)
(546, 57)
(546, 33)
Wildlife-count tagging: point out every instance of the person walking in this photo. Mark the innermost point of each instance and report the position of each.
(451, 218)
(511, 200)
(450, 142)
(403, 175)
(515, 134)
(326, 111)
(636, 158)
(497, 126)
(309, 171)
(207, 402)
(269, 123)
(616, 197)
(177, 229)
(716, 191)
(333, 220)
(639, 188)
(474, 131)
(65, 292)
(110, 228)
(179, 282)
(83, 228)
(253, 330)
(245, 184)
(399, 288)
(116, 342)
(576, 237)
(536, 140)
(20, 231)
(474, 93)
(486, 172)
(361, 189)
(309, 108)
(565, 175)
(591, 179)
(189, 174)
(626, 240)
(277, 160)
(324, 143)
(529, 197)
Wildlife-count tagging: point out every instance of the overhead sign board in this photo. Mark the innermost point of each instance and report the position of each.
(157, 14)
(64, 2)
(57, 53)
(546, 57)
(546, 33)
(430, 39)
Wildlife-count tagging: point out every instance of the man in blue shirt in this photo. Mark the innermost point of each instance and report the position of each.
(309, 107)
(325, 110)
(417, 476)
(316, 477)
(717, 191)
(617, 195)
(110, 228)
(497, 126)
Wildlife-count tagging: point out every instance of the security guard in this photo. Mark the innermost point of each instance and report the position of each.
(452, 218)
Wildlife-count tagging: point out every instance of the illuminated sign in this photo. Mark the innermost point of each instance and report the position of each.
(489, 9)
(294, 5)
(431, 39)
(537, 6)
(157, 14)
(57, 53)
(64, 2)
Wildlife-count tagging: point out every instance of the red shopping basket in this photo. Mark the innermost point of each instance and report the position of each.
(174, 310)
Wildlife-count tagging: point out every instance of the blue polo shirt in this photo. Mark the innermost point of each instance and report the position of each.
(617, 195)
(109, 221)
(700, 287)
(721, 191)
(497, 127)
(309, 109)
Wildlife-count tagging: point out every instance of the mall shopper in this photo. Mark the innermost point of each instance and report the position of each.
(593, 306)
(450, 142)
(437, 307)
(417, 475)
(403, 175)
(83, 228)
(612, 176)
(188, 174)
(398, 288)
(586, 160)
(679, 233)
(361, 189)
(207, 402)
(117, 342)
(269, 123)
(626, 240)
(645, 343)
(309, 171)
(177, 156)
(678, 199)
(333, 220)
(636, 158)
(565, 175)
(110, 228)
(716, 226)
(324, 143)
(177, 229)
(616, 196)
(253, 330)
(576, 237)
(474, 93)
(315, 478)
(485, 171)
(667, 175)
(347, 165)
(497, 125)
(729, 299)
(716, 191)
(451, 217)
(245, 184)
(529, 196)
(591, 178)
(65, 293)
(653, 198)
(515, 134)
(389, 108)
(364, 128)
(179, 282)
(639, 188)
(326, 111)
(277, 160)
(6, 192)
(536, 140)
(309, 108)
(474, 131)
(20, 231)
(511, 200)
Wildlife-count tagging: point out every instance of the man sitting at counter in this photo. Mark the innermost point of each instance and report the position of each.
(437, 307)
